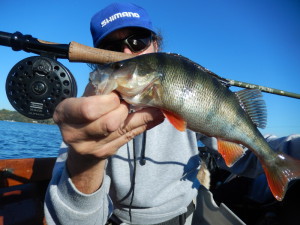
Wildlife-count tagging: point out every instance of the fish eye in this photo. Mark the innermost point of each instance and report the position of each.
(117, 65)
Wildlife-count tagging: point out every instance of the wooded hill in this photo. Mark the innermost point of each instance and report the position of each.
(17, 117)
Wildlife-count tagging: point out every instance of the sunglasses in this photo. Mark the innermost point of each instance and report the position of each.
(135, 42)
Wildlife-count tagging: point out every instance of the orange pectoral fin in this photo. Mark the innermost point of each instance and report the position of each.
(175, 120)
(230, 151)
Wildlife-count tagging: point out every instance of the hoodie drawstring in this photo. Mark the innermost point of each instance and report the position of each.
(142, 162)
(143, 158)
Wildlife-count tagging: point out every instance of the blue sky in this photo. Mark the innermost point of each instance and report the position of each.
(255, 41)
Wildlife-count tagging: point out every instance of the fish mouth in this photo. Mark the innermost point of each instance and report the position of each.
(147, 94)
(101, 80)
(127, 81)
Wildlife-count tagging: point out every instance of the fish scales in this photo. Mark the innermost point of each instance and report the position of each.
(199, 98)
(192, 97)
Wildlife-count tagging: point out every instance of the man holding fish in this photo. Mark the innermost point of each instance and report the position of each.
(133, 166)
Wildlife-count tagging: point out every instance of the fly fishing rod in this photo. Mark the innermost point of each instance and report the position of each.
(35, 85)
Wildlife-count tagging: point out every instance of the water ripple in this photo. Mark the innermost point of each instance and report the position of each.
(28, 140)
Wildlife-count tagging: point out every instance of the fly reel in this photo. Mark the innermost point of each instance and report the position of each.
(36, 85)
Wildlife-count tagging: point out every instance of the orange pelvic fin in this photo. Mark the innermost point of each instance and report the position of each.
(283, 170)
(175, 120)
(230, 151)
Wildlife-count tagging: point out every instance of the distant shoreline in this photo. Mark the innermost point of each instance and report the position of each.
(14, 116)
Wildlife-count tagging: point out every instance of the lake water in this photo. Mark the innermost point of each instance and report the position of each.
(28, 140)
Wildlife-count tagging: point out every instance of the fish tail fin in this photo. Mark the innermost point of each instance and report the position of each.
(280, 173)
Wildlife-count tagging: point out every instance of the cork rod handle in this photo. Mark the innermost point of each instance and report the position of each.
(82, 53)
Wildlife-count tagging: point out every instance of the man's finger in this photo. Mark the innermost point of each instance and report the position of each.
(104, 125)
(135, 124)
(79, 110)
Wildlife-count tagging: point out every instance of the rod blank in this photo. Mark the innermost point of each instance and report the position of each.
(264, 89)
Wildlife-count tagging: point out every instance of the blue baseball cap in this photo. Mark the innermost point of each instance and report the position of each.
(117, 16)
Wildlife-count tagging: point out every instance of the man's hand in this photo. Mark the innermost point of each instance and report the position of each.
(95, 127)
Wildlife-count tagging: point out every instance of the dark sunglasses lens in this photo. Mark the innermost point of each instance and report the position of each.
(136, 43)
(139, 42)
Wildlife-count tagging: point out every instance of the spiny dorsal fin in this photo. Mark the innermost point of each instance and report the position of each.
(221, 79)
(252, 102)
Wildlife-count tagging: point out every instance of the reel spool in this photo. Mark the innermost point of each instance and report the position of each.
(36, 85)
